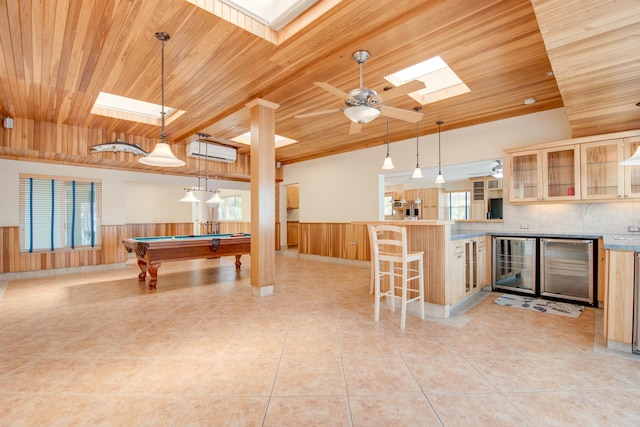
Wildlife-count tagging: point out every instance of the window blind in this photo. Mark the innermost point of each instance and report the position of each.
(59, 213)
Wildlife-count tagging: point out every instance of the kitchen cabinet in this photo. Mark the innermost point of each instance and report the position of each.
(293, 197)
(526, 176)
(430, 201)
(619, 296)
(482, 191)
(292, 234)
(468, 267)
(561, 173)
(573, 170)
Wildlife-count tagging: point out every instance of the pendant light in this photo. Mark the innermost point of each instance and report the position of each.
(439, 178)
(161, 154)
(189, 197)
(215, 199)
(388, 163)
(417, 173)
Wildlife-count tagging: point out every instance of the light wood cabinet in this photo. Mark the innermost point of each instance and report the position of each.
(482, 190)
(293, 197)
(468, 267)
(578, 169)
(619, 296)
(430, 201)
(292, 234)
(561, 173)
(526, 176)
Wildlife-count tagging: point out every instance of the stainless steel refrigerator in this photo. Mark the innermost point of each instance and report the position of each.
(514, 261)
(567, 269)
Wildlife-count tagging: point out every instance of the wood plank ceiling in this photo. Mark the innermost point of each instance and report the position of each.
(57, 55)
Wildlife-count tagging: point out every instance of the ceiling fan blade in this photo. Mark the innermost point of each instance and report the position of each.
(333, 90)
(398, 113)
(355, 128)
(412, 86)
(317, 113)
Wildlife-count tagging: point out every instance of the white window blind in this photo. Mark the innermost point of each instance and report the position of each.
(59, 213)
(231, 208)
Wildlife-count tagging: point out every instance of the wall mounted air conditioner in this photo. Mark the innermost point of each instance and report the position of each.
(207, 150)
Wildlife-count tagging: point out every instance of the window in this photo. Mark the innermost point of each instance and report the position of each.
(59, 213)
(388, 205)
(459, 205)
(231, 208)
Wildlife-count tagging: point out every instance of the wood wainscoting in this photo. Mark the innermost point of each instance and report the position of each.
(339, 240)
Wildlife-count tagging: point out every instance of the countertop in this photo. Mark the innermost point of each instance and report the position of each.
(618, 242)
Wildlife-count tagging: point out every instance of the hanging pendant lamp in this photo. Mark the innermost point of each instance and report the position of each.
(388, 163)
(417, 173)
(215, 199)
(162, 154)
(440, 177)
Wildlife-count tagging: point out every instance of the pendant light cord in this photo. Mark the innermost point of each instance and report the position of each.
(439, 122)
(417, 146)
(163, 37)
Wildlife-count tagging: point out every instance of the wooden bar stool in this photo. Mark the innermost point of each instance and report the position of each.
(391, 258)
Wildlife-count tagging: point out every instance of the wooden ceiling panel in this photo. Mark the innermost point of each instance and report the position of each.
(56, 56)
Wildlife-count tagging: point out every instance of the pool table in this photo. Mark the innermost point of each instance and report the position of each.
(151, 252)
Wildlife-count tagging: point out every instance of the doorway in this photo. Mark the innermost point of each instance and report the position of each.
(293, 215)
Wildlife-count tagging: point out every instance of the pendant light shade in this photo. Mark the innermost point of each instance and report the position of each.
(361, 114)
(161, 154)
(215, 199)
(440, 177)
(388, 163)
(189, 197)
(633, 160)
(417, 173)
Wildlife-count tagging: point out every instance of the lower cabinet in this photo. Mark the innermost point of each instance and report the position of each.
(618, 314)
(468, 267)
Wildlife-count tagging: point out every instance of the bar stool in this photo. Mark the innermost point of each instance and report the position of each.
(391, 258)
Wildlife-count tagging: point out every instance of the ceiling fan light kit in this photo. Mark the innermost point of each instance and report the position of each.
(162, 154)
(363, 104)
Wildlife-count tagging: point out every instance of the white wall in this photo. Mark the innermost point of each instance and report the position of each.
(127, 197)
(346, 187)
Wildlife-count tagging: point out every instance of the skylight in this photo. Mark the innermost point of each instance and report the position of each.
(440, 80)
(120, 107)
(273, 13)
(281, 141)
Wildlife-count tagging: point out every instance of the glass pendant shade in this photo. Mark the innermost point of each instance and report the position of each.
(439, 179)
(388, 163)
(161, 156)
(417, 173)
(633, 160)
(189, 197)
(361, 114)
(215, 199)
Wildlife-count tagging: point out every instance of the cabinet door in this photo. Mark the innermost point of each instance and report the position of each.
(471, 265)
(525, 177)
(601, 174)
(457, 271)
(481, 264)
(631, 173)
(560, 178)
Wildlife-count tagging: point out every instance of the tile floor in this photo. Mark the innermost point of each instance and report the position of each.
(100, 349)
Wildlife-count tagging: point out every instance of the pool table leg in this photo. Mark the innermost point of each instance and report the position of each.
(153, 272)
(238, 263)
(143, 270)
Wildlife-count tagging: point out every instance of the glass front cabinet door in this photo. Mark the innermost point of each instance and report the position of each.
(561, 178)
(526, 176)
(602, 176)
(631, 173)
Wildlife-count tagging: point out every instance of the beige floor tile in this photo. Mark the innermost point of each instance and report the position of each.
(325, 345)
(17, 409)
(448, 374)
(491, 410)
(384, 411)
(367, 345)
(169, 377)
(223, 412)
(561, 409)
(622, 404)
(239, 377)
(379, 376)
(137, 410)
(310, 376)
(307, 411)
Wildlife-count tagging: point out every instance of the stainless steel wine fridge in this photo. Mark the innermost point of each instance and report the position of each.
(514, 261)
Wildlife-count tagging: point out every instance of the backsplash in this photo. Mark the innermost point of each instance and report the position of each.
(561, 218)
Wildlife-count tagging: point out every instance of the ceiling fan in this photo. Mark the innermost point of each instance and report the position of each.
(496, 171)
(364, 104)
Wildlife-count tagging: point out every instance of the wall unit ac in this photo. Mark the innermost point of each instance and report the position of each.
(207, 150)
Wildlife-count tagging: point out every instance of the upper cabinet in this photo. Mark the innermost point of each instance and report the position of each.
(526, 176)
(573, 170)
(293, 196)
(561, 173)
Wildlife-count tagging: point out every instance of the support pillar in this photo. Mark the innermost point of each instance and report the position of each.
(263, 190)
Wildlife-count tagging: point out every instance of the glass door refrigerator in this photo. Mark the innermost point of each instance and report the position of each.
(514, 261)
(566, 269)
